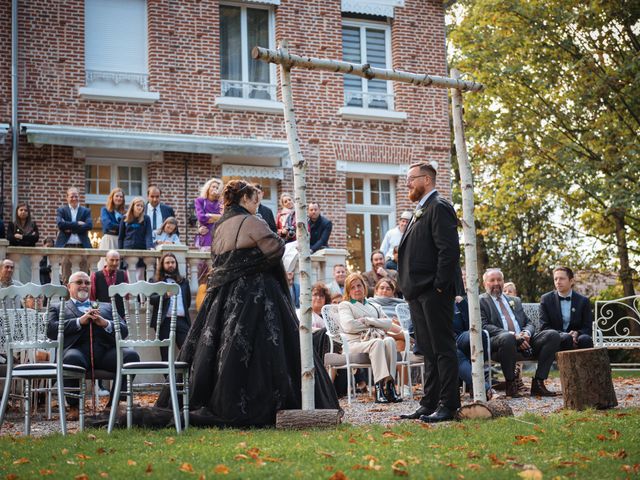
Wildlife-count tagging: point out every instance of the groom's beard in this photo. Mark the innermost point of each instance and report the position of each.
(416, 193)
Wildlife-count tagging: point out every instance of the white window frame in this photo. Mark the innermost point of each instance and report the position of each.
(114, 163)
(252, 104)
(367, 209)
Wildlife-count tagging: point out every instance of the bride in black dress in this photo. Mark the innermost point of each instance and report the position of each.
(244, 346)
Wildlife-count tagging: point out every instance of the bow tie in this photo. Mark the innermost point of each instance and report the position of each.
(85, 304)
(568, 299)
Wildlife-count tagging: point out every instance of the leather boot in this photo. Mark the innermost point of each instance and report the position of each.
(390, 392)
(538, 389)
(380, 396)
(511, 389)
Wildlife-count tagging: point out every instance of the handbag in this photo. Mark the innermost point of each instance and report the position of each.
(372, 333)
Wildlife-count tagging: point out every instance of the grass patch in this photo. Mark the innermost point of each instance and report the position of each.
(568, 444)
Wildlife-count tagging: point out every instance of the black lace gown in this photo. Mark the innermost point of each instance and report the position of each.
(244, 348)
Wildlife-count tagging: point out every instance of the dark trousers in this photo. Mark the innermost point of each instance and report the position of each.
(182, 328)
(463, 342)
(566, 341)
(104, 358)
(432, 317)
(545, 344)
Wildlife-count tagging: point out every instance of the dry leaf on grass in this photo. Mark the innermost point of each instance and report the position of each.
(82, 456)
(524, 439)
(221, 469)
(20, 461)
(131, 463)
(400, 468)
(170, 440)
(82, 476)
(44, 471)
(149, 468)
(104, 474)
(186, 467)
(339, 475)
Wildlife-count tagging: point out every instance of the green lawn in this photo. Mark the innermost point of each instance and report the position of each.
(590, 444)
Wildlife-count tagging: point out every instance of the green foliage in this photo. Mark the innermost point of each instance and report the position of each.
(554, 137)
(569, 444)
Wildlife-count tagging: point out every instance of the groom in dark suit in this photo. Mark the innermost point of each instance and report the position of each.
(567, 312)
(512, 332)
(78, 316)
(428, 259)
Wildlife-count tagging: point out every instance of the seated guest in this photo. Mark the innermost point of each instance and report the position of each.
(78, 316)
(23, 233)
(365, 327)
(377, 272)
(208, 209)
(336, 298)
(110, 216)
(7, 269)
(294, 289)
(511, 331)
(319, 298)
(168, 272)
(393, 263)
(510, 289)
(166, 234)
(463, 344)
(111, 274)
(319, 228)
(286, 218)
(392, 237)
(567, 312)
(339, 275)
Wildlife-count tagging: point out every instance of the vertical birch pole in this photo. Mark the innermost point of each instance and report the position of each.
(302, 235)
(470, 251)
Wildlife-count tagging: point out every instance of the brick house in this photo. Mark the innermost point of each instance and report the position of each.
(131, 93)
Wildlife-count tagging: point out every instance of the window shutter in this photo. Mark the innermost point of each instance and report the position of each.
(116, 35)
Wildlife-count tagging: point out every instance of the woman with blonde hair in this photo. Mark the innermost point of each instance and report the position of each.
(365, 325)
(110, 216)
(208, 210)
(286, 218)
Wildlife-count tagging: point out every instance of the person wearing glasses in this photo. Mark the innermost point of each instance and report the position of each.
(84, 320)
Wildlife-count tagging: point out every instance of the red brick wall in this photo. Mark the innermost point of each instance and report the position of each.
(183, 67)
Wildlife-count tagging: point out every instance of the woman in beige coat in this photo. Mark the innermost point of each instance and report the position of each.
(365, 326)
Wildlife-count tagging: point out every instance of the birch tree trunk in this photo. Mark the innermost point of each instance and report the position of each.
(470, 250)
(302, 235)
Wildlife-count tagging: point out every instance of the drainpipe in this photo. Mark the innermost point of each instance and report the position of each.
(15, 130)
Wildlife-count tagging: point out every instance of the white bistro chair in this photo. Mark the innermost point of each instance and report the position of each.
(408, 359)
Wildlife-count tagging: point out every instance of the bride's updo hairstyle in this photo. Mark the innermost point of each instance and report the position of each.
(234, 190)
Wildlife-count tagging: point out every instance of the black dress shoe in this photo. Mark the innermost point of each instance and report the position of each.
(442, 414)
(418, 413)
(380, 396)
(538, 389)
(390, 392)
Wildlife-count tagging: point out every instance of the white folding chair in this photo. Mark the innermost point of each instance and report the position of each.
(344, 360)
(142, 336)
(408, 359)
(25, 333)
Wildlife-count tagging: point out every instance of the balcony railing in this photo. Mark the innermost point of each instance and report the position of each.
(141, 80)
(249, 90)
(382, 101)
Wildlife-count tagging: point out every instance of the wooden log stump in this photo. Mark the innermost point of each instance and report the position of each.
(586, 381)
(298, 419)
(491, 409)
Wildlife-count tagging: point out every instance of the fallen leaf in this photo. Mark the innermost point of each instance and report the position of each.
(100, 451)
(149, 468)
(202, 477)
(253, 452)
(20, 461)
(45, 471)
(474, 466)
(389, 434)
(82, 476)
(64, 451)
(495, 460)
(82, 456)
(11, 476)
(91, 436)
(400, 468)
(242, 445)
(221, 469)
(169, 440)
(619, 454)
(601, 437)
(131, 463)
(104, 474)
(325, 454)
(148, 443)
(186, 467)
(614, 434)
(524, 439)
(339, 475)
(240, 456)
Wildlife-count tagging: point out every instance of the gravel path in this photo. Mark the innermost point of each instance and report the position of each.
(363, 410)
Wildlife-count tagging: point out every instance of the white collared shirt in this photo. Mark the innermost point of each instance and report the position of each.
(73, 238)
(505, 325)
(175, 298)
(158, 215)
(565, 310)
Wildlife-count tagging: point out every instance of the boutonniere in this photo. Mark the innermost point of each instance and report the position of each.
(512, 304)
(573, 309)
(419, 213)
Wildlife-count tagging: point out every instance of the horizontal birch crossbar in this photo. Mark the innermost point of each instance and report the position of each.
(283, 57)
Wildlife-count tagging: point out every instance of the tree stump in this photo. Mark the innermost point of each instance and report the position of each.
(480, 410)
(586, 381)
(298, 419)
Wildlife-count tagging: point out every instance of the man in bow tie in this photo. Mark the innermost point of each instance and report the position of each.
(567, 312)
(82, 321)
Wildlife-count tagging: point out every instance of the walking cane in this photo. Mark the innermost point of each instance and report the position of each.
(95, 306)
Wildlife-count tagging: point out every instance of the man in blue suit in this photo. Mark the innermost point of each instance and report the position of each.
(74, 222)
(567, 312)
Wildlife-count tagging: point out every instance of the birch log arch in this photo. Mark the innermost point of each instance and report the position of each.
(287, 61)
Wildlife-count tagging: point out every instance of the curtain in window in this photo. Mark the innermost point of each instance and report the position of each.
(351, 53)
(230, 41)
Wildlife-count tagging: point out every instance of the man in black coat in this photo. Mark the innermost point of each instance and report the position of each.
(319, 228)
(512, 332)
(81, 322)
(265, 212)
(428, 259)
(567, 312)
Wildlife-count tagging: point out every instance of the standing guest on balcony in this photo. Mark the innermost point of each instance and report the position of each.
(392, 237)
(286, 219)
(23, 233)
(567, 312)
(265, 212)
(168, 272)
(319, 228)
(155, 210)
(111, 216)
(6, 274)
(208, 210)
(136, 232)
(166, 234)
(45, 266)
(378, 272)
(74, 223)
(111, 274)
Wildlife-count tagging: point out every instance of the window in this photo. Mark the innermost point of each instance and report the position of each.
(102, 176)
(116, 50)
(241, 29)
(367, 43)
(370, 213)
(269, 190)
